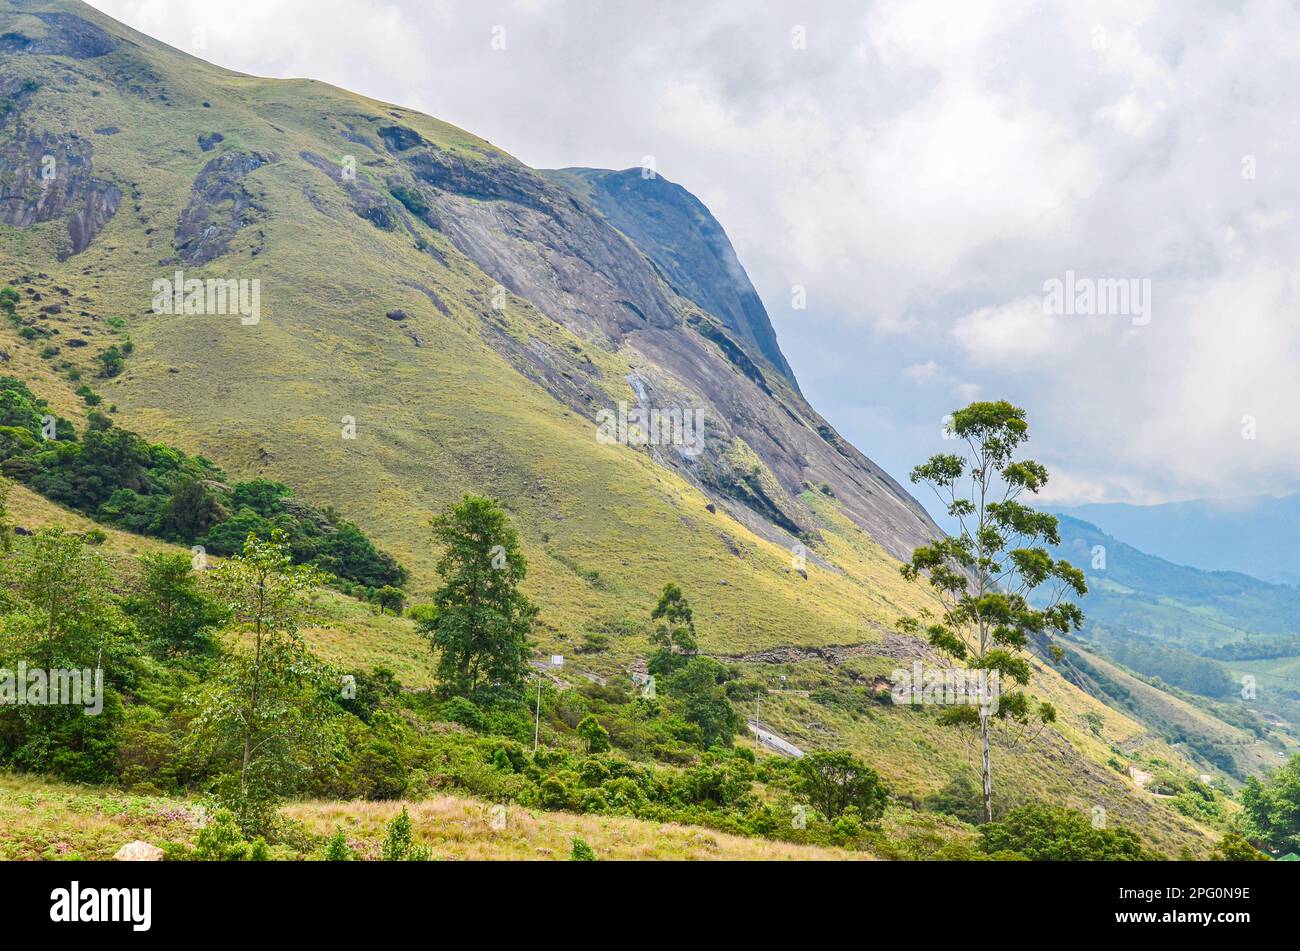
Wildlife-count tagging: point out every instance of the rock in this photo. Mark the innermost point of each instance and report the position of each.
(209, 139)
(138, 851)
(397, 315)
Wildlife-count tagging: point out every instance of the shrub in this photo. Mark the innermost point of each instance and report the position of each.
(580, 851)
(220, 840)
(1050, 833)
(399, 843)
(595, 735)
(336, 850)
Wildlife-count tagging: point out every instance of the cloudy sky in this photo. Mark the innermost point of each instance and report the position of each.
(924, 171)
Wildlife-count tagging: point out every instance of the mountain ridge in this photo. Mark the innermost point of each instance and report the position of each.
(1247, 535)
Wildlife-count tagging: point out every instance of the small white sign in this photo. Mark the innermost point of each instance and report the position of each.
(557, 660)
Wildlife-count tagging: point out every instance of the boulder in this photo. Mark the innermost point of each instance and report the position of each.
(138, 851)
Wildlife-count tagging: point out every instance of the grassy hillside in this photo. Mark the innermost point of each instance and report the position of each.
(433, 420)
(446, 399)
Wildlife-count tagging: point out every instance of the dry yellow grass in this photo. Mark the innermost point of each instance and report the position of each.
(462, 829)
(46, 819)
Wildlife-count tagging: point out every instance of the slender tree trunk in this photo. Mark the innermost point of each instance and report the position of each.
(984, 636)
(988, 771)
(252, 696)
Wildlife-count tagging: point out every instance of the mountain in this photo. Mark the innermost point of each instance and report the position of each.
(686, 243)
(1254, 535)
(1200, 632)
(1188, 607)
(394, 312)
(472, 315)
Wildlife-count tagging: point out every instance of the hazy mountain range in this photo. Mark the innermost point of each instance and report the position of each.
(1254, 535)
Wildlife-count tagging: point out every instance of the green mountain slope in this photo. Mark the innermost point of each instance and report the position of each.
(474, 388)
(1198, 633)
(436, 318)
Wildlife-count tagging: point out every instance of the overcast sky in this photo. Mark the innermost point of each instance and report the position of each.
(923, 170)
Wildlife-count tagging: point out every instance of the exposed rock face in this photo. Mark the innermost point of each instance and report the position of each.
(219, 207)
(138, 851)
(47, 177)
(366, 200)
(687, 244)
(762, 443)
(66, 34)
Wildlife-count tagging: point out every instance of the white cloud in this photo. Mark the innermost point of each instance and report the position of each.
(926, 372)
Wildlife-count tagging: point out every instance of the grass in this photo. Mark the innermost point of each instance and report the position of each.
(55, 821)
(463, 829)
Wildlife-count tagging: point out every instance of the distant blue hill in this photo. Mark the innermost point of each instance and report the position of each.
(1258, 536)
(1184, 625)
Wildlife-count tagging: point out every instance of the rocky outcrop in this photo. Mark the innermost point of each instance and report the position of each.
(65, 34)
(366, 200)
(762, 443)
(48, 177)
(219, 207)
(687, 244)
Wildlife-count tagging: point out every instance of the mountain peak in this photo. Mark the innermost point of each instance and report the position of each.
(688, 246)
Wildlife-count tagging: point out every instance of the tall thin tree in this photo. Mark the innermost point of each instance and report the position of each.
(1000, 590)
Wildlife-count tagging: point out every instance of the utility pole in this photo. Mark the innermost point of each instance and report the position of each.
(537, 723)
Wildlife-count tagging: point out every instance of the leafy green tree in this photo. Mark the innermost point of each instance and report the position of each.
(192, 511)
(263, 715)
(56, 614)
(1051, 834)
(170, 609)
(836, 781)
(593, 734)
(698, 686)
(1271, 809)
(112, 361)
(580, 851)
(390, 597)
(482, 621)
(985, 574)
(675, 631)
(347, 552)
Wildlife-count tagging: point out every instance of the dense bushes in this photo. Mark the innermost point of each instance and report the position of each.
(114, 476)
(1048, 833)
